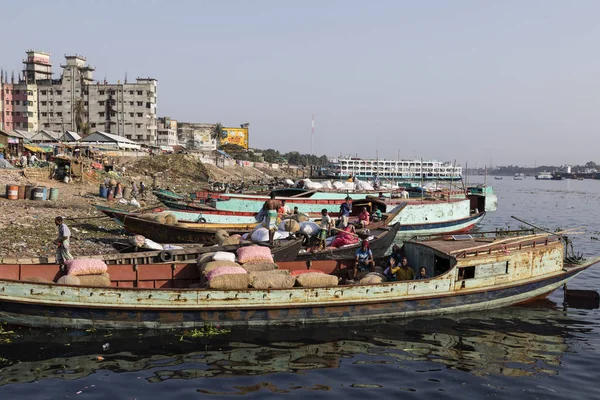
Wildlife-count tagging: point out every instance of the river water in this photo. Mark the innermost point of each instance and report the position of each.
(540, 351)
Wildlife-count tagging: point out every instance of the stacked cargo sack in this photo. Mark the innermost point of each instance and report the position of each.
(219, 270)
(86, 272)
(264, 273)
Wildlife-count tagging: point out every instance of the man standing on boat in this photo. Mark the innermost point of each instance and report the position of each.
(345, 210)
(62, 241)
(270, 221)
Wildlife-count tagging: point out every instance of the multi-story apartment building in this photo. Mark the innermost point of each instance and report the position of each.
(167, 132)
(38, 102)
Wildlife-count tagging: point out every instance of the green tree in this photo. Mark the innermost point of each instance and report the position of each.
(81, 117)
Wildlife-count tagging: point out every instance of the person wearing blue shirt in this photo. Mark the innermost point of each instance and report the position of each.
(363, 259)
(345, 210)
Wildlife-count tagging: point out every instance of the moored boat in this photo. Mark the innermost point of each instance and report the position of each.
(380, 241)
(199, 233)
(466, 274)
(544, 176)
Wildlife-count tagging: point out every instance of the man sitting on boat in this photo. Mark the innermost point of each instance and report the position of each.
(363, 262)
(422, 273)
(394, 260)
(364, 218)
(403, 272)
(376, 214)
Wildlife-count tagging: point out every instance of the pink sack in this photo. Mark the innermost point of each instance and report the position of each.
(254, 254)
(86, 266)
(224, 271)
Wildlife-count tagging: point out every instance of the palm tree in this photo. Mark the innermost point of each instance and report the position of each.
(216, 132)
(81, 116)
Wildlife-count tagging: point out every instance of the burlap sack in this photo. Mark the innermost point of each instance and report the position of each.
(68, 280)
(170, 219)
(229, 241)
(160, 218)
(316, 280)
(275, 271)
(102, 280)
(221, 235)
(209, 266)
(204, 258)
(230, 282)
(272, 281)
(291, 225)
(259, 266)
(372, 278)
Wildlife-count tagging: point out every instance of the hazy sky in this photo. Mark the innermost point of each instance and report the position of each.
(506, 82)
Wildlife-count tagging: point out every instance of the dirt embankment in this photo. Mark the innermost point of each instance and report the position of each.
(28, 226)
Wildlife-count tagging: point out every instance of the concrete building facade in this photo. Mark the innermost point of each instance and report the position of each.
(196, 136)
(167, 132)
(37, 101)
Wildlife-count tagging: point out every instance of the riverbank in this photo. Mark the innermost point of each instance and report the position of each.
(28, 226)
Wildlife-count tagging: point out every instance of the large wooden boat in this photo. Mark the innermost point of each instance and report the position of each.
(467, 274)
(283, 250)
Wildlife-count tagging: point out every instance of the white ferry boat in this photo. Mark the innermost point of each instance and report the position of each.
(544, 175)
(397, 169)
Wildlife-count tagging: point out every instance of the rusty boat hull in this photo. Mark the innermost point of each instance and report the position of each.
(156, 296)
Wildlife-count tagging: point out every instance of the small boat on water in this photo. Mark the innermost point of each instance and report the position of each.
(466, 273)
(498, 178)
(546, 176)
(519, 176)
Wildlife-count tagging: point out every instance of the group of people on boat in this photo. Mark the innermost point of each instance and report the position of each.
(396, 268)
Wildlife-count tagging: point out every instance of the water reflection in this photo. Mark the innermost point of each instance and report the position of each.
(511, 342)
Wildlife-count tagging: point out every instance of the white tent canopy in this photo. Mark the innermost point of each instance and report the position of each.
(108, 139)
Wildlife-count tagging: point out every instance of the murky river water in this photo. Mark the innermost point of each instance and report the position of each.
(542, 351)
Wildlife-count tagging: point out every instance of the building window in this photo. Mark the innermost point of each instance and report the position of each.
(7, 101)
(140, 103)
(30, 93)
(43, 92)
(101, 114)
(139, 92)
(18, 124)
(59, 103)
(112, 102)
(59, 114)
(112, 114)
(112, 92)
(131, 103)
(44, 114)
(18, 113)
(131, 114)
(52, 114)
(128, 136)
(93, 124)
(17, 91)
(51, 103)
(138, 125)
(101, 103)
(59, 92)
(101, 92)
(17, 102)
(131, 92)
(46, 125)
(140, 114)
